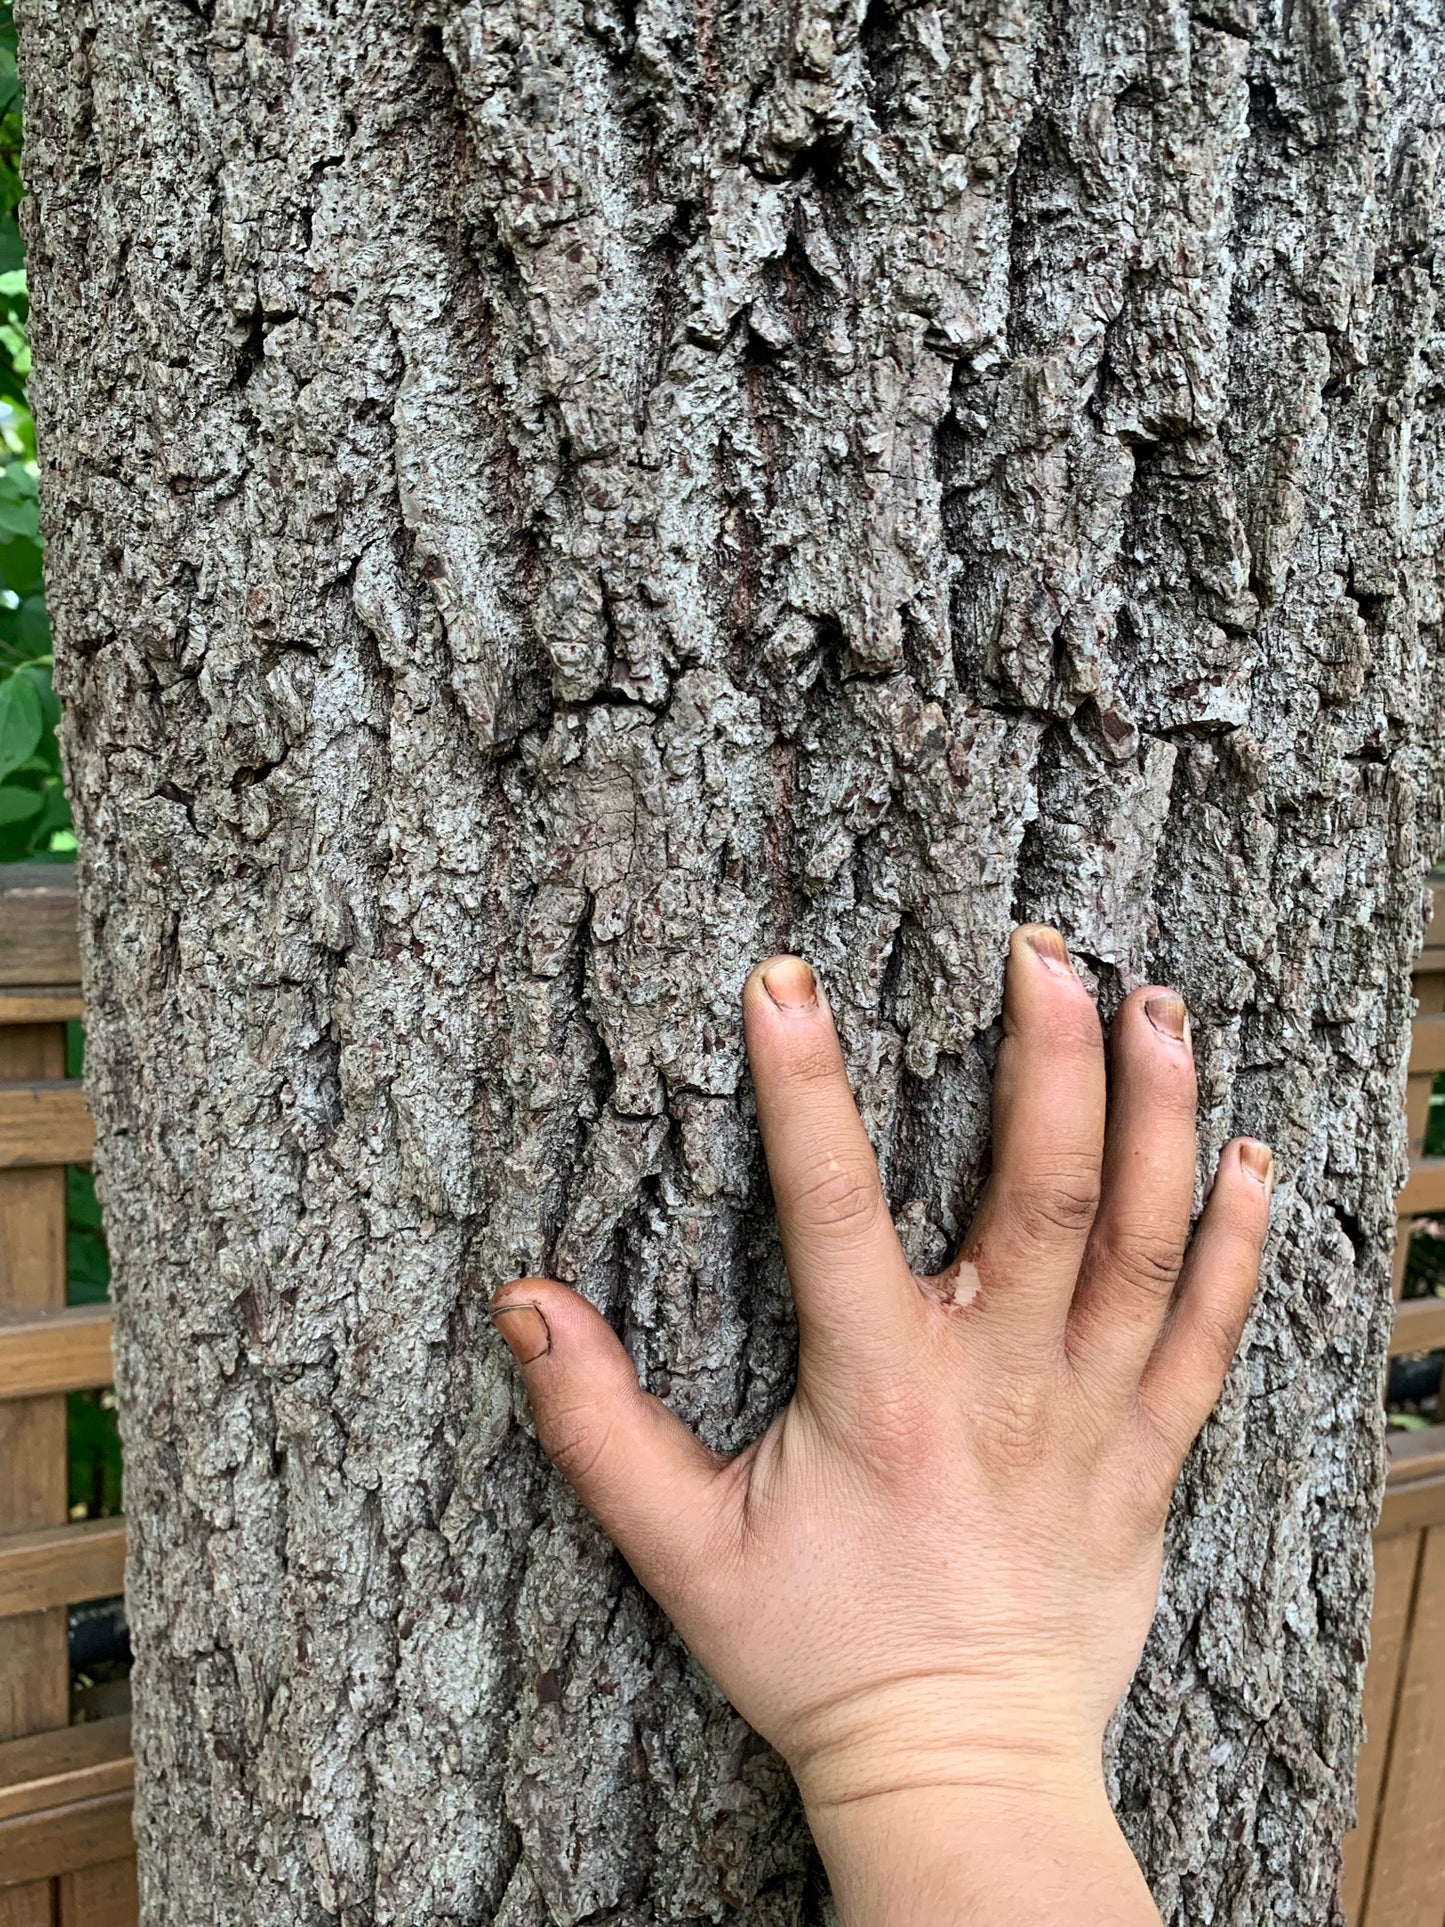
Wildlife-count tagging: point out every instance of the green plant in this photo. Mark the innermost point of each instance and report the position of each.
(34, 814)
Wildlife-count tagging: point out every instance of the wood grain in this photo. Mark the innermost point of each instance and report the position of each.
(1407, 1868)
(1396, 1563)
(1419, 1089)
(32, 1905)
(40, 1004)
(1411, 1506)
(1416, 1454)
(1419, 1326)
(1424, 1190)
(44, 1123)
(38, 1846)
(38, 940)
(103, 1896)
(1427, 1045)
(73, 1763)
(61, 1565)
(67, 1350)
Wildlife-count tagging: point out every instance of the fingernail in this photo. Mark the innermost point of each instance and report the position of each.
(525, 1330)
(790, 983)
(1048, 946)
(1169, 1015)
(1258, 1160)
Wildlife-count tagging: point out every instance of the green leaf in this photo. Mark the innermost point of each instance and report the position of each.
(22, 722)
(54, 816)
(19, 502)
(18, 805)
(37, 674)
(20, 567)
(33, 627)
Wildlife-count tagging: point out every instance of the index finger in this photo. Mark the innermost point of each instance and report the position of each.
(851, 1282)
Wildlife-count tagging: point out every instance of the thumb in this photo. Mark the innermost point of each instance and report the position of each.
(647, 1480)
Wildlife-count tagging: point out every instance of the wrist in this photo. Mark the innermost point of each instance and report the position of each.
(931, 1732)
(977, 1853)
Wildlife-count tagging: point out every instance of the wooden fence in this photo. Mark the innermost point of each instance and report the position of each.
(1395, 1858)
(66, 1857)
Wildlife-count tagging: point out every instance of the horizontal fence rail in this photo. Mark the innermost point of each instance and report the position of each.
(61, 1566)
(45, 1352)
(44, 1123)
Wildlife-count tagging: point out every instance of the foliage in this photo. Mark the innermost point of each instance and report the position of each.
(34, 815)
(94, 1455)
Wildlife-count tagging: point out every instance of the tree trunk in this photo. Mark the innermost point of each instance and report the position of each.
(547, 503)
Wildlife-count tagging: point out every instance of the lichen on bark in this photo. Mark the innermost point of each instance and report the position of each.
(546, 503)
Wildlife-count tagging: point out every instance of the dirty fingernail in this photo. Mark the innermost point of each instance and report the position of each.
(1048, 946)
(1169, 1016)
(1258, 1160)
(525, 1330)
(790, 983)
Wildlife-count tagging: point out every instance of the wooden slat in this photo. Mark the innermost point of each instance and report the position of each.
(1416, 1454)
(55, 1351)
(86, 1834)
(104, 1896)
(1407, 1871)
(74, 1763)
(38, 942)
(1419, 1089)
(1396, 1561)
(1430, 962)
(28, 1906)
(40, 1004)
(1412, 1506)
(1400, 1261)
(1425, 1190)
(1427, 1044)
(44, 1123)
(1419, 1326)
(61, 1565)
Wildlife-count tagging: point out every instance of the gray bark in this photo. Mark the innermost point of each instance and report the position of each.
(547, 503)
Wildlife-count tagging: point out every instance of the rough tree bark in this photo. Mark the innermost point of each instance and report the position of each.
(548, 501)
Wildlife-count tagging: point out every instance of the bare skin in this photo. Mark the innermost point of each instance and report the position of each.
(930, 1580)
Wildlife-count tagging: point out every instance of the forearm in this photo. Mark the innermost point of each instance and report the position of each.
(961, 1858)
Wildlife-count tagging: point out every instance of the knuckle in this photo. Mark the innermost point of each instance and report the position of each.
(844, 1195)
(1072, 1026)
(1068, 1027)
(575, 1440)
(1220, 1331)
(1174, 1088)
(898, 1431)
(1150, 1477)
(1146, 1261)
(1246, 1222)
(1017, 1420)
(1060, 1202)
(814, 1061)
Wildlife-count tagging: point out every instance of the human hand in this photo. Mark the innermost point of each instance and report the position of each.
(929, 1581)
